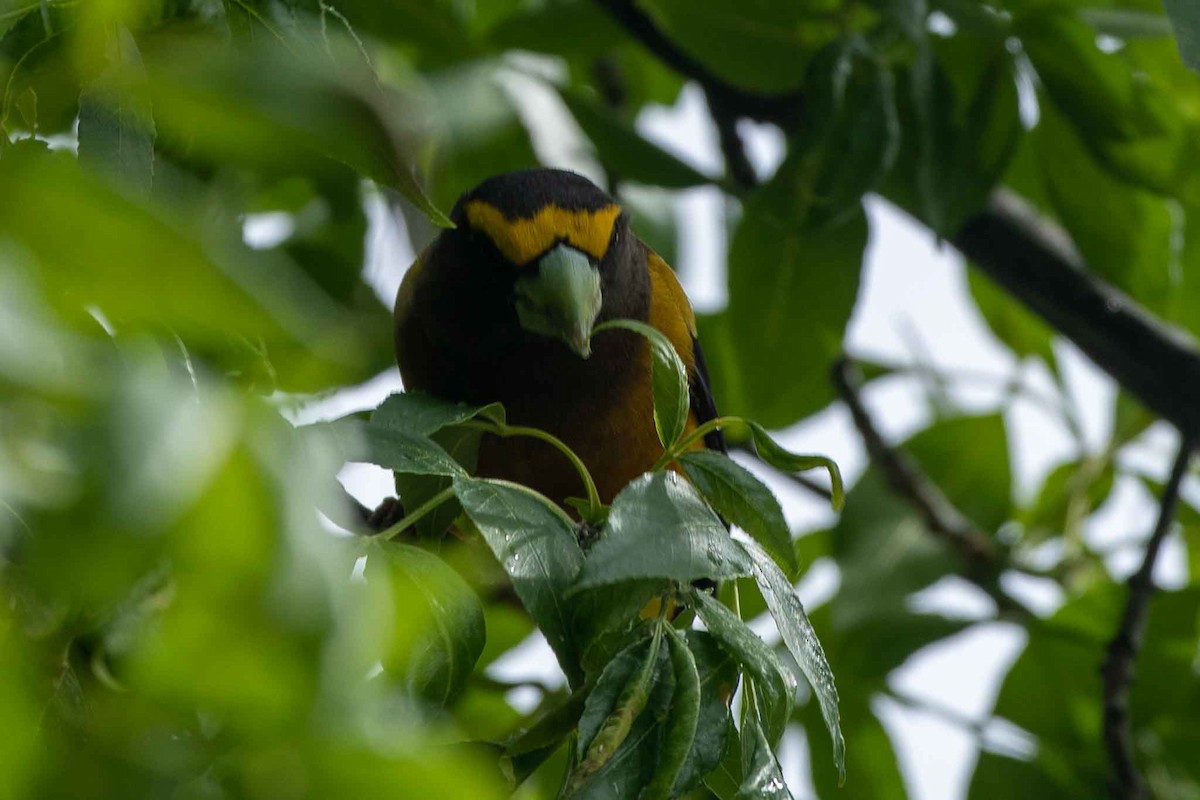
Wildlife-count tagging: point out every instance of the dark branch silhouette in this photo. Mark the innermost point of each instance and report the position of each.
(906, 478)
(1118, 668)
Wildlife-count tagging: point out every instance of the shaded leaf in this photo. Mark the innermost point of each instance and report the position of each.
(658, 527)
(762, 777)
(761, 46)
(778, 266)
(977, 480)
(801, 641)
(422, 414)
(535, 543)
(393, 449)
(718, 678)
(772, 679)
(625, 770)
(679, 735)
(1185, 17)
(743, 500)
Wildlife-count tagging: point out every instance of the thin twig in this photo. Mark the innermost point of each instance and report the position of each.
(737, 165)
(905, 477)
(1117, 670)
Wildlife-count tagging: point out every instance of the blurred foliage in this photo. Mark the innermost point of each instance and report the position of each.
(178, 620)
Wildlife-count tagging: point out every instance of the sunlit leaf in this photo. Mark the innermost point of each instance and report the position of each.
(438, 627)
(116, 128)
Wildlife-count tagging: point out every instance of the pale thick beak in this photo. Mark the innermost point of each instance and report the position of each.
(561, 299)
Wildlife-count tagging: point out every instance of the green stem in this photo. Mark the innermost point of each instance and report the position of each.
(674, 451)
(422, 510)
(505, 431)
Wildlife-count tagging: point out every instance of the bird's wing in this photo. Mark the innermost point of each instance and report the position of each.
(672, 314)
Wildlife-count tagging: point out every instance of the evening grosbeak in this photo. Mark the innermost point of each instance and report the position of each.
(501, 308)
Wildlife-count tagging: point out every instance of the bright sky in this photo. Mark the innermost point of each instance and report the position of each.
(913, 303)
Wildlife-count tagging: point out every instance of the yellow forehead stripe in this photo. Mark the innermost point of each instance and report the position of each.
(523, 240)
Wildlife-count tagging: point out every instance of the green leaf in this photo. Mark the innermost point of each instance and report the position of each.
(462, 444)
(1135, 255)
(623, 150)
(718, 679)
(1068, 496)
(1185, 17)
(762, 777)
(781, 458)
(852, 132)
(437, 622)
(658, 527)
(778, 266)
(605, 616)
(876, 522)
(977, 480)
(1128, 116)
(475, 130)
(623, 748)
(758, 661)
(965, 113)
(679, 734)
(616, 701)
(116, 127)
(185, 251)
(668, 377)
(576, 28)
(423, 414)
(802, 643)
(1127, 23)
(226, 102)
(761, 46)
(393, 449)
(535, 543)
(743, 500)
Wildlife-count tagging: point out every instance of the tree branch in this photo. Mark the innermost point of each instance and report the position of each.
(1032, 260)
(906, 478)
(1117, 670)
(1036, 262)
(737, 165)
(782, 109)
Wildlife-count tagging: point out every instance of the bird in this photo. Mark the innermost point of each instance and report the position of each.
(501, 308)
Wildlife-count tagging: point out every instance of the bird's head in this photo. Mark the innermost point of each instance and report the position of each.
(559, 239)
